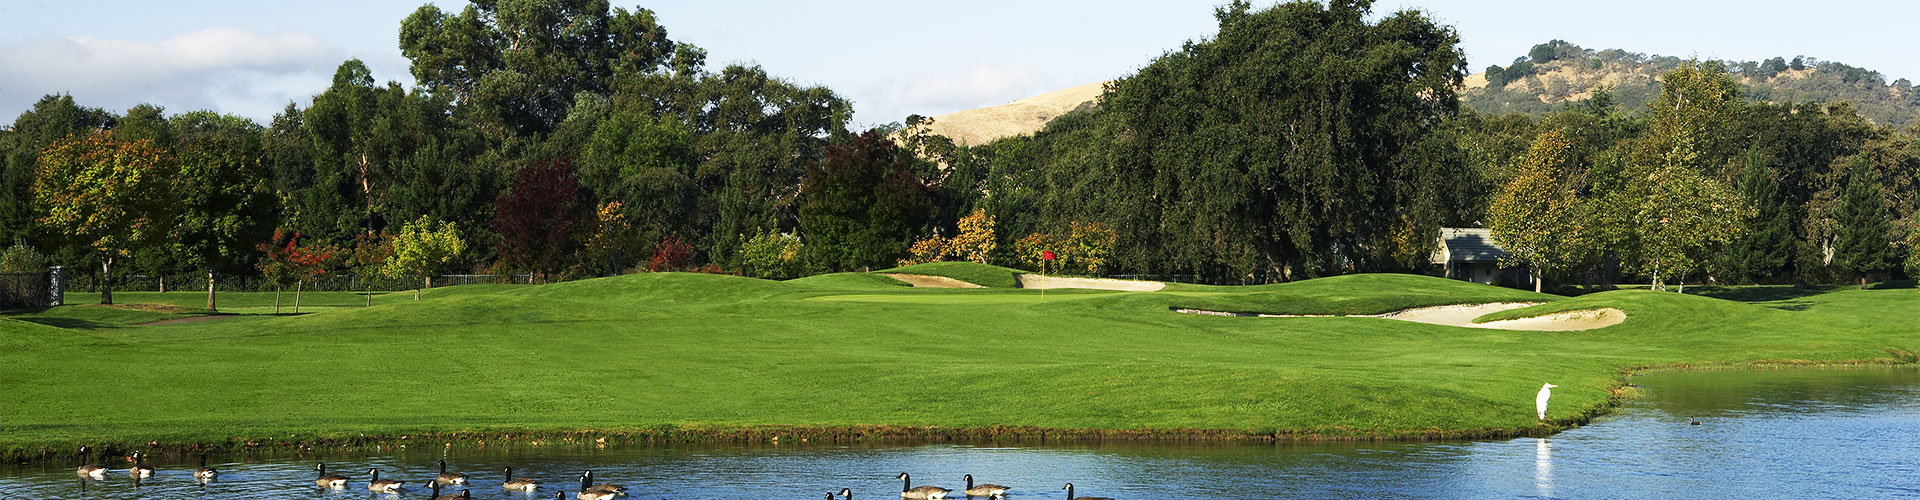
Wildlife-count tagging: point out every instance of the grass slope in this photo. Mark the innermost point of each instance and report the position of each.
(706, 352)
(847, 281)
(1353, 294)
(978, 274)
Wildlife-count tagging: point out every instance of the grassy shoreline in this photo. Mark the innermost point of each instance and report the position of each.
(700, 358)
(51, 452)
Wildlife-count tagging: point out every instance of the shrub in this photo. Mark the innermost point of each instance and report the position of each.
(976, 240)
(21, 258)
(1085, 249)
(670, 255)
(930, 249)
(771, 256)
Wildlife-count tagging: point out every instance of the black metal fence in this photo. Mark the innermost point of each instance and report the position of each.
(334, 283)
(23, 290)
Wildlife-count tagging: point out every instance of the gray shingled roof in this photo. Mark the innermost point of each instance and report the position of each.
(1471, 245)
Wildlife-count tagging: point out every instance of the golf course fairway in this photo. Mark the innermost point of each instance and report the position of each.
(692, 356)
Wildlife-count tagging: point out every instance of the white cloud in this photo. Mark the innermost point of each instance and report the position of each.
(895, 97)
(230, 70)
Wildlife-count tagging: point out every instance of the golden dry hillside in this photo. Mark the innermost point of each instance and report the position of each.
(1025, 116)
(1559, 74)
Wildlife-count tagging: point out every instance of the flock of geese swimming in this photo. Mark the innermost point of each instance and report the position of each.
(588, 489)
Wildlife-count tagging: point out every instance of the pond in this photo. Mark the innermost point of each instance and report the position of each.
(1846, 433)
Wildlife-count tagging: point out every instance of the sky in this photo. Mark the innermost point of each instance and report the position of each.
(252, 58)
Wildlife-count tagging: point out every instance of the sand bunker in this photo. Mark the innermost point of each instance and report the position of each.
(926, 281)
(1453, 315)
(1567, 321)
(1045, 282)
(1462, 315)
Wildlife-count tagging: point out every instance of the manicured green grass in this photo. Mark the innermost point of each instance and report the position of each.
(845, 281)
(691, 351)
(1353, 294)
(978, 274)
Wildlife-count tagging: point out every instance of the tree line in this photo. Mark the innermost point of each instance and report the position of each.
(570, 140)
(1264, 155)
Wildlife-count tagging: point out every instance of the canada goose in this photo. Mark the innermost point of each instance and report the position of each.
(594, 492)
(1071, 497)
(1693, 421)
(927, 492)
(205, 473)
(846, 493)
(435, 486)
(378, 485)
(985, 490)
(140, 468)
(450, 477)
(326, 480)
(587, 478)
(522, 484)
(95, 471)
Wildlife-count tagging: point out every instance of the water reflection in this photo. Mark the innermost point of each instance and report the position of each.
(1543, 467)
(1771, 433)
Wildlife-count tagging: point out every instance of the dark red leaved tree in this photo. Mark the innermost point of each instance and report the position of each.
(540, 217)
(284, 261)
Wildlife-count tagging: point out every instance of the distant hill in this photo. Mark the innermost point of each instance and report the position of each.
(1550, 77)
(982, 125)
(1556, 73)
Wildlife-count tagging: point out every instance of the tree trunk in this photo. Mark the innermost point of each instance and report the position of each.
(163, 281)
(106, 278)
(210, 303)
(1536, 281)
(276, 299)
(369, 294)
(296, 295)
(1863, 281)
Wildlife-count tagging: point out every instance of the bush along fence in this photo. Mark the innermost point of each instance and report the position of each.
(25, 290)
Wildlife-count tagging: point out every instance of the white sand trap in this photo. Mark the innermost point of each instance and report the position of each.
(925, 281)
(1462, 315)
(1046, 282)
(1566, 321)
(1453, 315)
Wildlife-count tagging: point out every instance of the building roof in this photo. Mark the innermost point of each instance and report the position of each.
(1468, 244)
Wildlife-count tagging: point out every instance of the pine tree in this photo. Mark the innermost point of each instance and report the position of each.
(1862, 244)
(1765, 249)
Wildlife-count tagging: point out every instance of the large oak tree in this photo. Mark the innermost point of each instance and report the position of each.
(108, 195)
(1285, 146)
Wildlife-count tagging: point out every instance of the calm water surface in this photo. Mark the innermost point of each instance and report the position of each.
(1845, 433)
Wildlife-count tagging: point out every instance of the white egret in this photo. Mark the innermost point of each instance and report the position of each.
(1540, 401)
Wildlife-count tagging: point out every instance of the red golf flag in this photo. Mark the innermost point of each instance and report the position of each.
(1046, 255)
